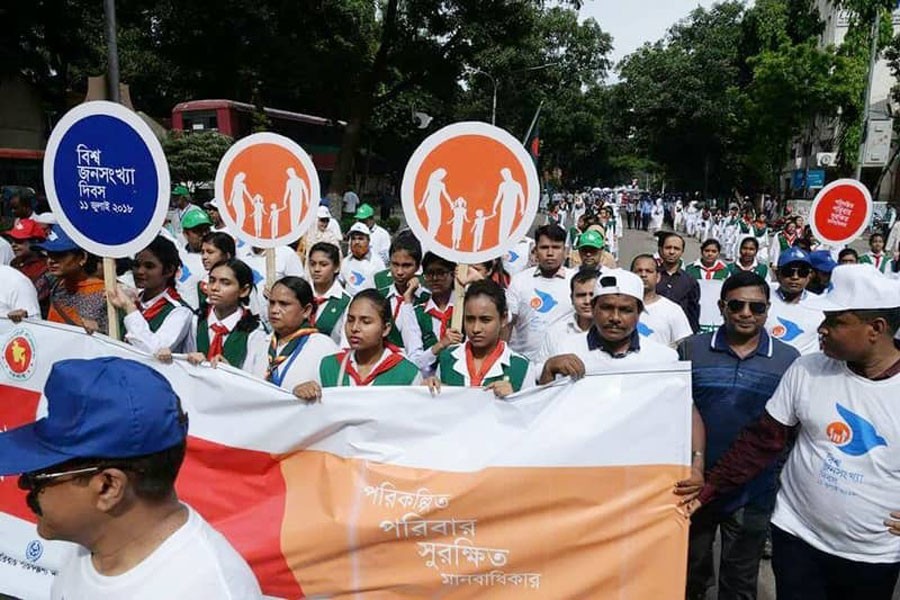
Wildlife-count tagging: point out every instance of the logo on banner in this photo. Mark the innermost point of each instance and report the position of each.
(854, 435)
(470, 192)
(269, 189)
(18, 355)
(34, 550)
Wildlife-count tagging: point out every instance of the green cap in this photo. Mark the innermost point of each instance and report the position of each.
(180, 190)
(195, 218)
(591, 239)
(365, 211)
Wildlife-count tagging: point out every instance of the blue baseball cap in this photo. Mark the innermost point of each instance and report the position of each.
(821, 261)
(792, 255)
(98, 408)
(57, 241)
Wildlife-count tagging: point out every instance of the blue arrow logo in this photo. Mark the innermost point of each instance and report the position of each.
(185, 273)
(787, 331)
(543, 302)
(862, 438)
(644, 330)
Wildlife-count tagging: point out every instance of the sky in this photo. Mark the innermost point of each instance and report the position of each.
(633, 22)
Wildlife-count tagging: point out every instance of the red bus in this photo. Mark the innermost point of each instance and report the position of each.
(320, 137)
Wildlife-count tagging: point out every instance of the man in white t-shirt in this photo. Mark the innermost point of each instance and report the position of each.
(791, 319)
(100, 471)
(612, 341)
(539, 296)
(351, 202)
(662, 320)
(836, 525)
(581, 319)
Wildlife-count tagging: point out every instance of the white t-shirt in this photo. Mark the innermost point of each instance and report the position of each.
(517, 258)
(351, 201)
(598, 361)
(358, 275)
(841, 478)
(557, 334)
(536, 302)
(6, 252)
(381, 243)
(664, 322)
(17, 291)
(794, 324)
(301, 368)
(194, 562)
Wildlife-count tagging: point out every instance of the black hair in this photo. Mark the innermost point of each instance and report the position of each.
(742, 279)
(641, 257)
(167, 254)
(751, 239)
(711, 242)
(407, 241)
(583, 276)
(243, 274)
(665, 235)
(382, 304)
(848, 252)
(552, 232)
(330, 250)
(300, 287)
(497, 272)
(431, 258)
(875, 235)
(222, 241)
(890, 315)
(489, 289)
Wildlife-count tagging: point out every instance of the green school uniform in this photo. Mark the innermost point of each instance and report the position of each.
(331, 313)
(759, 269)
(697, 271)
(399, 371)
(453, 370)
(234, 349)
(882, 265)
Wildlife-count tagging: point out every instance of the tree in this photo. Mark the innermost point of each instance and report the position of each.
(195, 157)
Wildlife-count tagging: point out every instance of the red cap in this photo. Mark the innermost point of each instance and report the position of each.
(27, 229)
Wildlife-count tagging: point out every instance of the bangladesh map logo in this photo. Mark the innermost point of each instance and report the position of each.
(18, 355)
(854, 435)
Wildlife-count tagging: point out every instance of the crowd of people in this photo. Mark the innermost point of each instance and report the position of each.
(798, 379)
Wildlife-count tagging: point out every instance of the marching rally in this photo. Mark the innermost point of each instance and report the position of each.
(649, 350)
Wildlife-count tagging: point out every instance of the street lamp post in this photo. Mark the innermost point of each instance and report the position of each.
(493, 79)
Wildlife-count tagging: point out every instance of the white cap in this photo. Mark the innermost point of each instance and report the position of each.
(360, 227)
(47, 218)
(324, 213)
(857, 287)
(619, 281)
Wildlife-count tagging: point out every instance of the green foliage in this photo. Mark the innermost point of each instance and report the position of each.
(195, 157)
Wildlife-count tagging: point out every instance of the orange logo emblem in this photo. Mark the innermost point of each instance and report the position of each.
(838, 432)
(18, 355)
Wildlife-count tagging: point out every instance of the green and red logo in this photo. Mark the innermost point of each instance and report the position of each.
(18, 355)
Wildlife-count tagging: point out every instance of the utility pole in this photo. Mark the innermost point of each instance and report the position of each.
(873, 57)
(112, 52)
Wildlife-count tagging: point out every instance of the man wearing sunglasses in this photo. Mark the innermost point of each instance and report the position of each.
(790, 319)
(836, 525)
(735, 370)
(100, 471)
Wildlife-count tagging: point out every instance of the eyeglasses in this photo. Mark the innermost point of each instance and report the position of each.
(802, 271)
(757, 308)
(436, 274)
(35, 481)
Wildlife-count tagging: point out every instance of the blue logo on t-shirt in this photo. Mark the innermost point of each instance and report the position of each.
(855, 436)
(185, 273)
(543, 302)
(357, 278)
(787, 331)
(512, 256)
(644, 330)
(34, 550)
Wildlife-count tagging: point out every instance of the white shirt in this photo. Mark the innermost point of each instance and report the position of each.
(599, 361)
(664, 321)
(557, 334)
(189, 276)
(257, 359)
(841, 478)
(6, 252)
(359, 274)
(194, 562)
(381, 243)
(794, 324)
(17, 291)
(303, 368)
(286, 263)
(536, 302)
(175, 332)
(335, 228)
(517, 258)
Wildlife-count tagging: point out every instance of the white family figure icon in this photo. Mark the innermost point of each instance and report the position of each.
(507, 205)
(296, 193)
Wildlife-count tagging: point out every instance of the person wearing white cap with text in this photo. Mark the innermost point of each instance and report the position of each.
(322, 232)
(836, 525)
(359, 268)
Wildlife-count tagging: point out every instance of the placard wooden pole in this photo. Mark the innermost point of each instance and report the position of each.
(270, 268)
(459, 292)
(110, 281)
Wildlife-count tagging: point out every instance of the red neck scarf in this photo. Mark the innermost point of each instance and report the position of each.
(317, 302)
(383, 367)
(477, 375)
(444, 317)
(154, 309)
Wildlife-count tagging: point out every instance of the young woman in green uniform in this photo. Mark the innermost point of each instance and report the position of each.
(331, 300)
(484, 359)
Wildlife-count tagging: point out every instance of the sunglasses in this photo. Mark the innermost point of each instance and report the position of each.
(736, 306)
(36, 481)
(803, 271)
